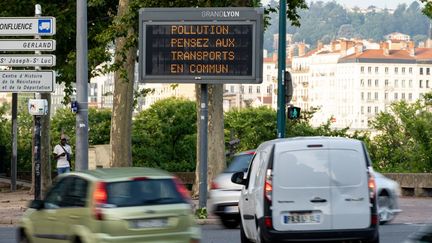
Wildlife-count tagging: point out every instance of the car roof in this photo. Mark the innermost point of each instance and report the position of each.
(122, 173)
(306, 138)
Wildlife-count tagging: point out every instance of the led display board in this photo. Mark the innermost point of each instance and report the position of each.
(196, 45)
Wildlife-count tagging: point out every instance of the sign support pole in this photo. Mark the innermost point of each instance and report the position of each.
(203, 140)
(81, 161)
(37, 158)
(14, 141)
(281, 117)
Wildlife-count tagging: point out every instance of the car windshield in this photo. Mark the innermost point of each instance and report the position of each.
(143, 192)
(239, 163)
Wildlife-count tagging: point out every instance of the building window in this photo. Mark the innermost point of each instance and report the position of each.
(396, 70)
(269, 89)
(362, 110)
(403, 96)
(250, 89)
(362, 96)
(376, 95)
(376, 83)
(403, 70)
(421, 84)
(395, 96)
(369, 96)
(396, 84)
(376, 69)
(386, 70)
(258, 89)
(386, 83)
(386, 96)
(421, 71)
(369, 69)
(369, 110)
(427, 84)
(410, 83)
(403, 83)
(410, 70)
(409, 96)
(362, 69)
(427, 71)
(242, 89)
(376, 109)
(232, 88)
(369, 82)
(362, 82)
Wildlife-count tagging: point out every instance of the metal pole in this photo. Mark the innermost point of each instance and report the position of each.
(281, 117)
(37, 158)
(81, 158)
(14, 141)
(203, 146)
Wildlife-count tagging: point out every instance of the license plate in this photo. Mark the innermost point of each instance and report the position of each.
(301, 218)
(149, 223)
(231, 209)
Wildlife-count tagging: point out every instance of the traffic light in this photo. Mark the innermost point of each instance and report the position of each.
(293, 112)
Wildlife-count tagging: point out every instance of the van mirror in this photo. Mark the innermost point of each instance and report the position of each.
(37, 204)
(238, 178)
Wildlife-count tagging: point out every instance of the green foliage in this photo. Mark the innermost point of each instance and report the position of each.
(100, 125)
(164, 136)
(404, 141)
(201, 213)
(5, 139)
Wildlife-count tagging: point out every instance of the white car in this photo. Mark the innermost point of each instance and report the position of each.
(224, 195)
(388, 192)
(309, 189)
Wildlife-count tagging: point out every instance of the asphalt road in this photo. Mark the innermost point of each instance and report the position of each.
(392, 233)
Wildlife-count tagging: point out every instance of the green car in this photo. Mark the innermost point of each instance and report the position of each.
(112, 205)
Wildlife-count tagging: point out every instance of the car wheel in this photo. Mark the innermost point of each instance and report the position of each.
(230, 223)
(243, 238)
(23, 238)
(384, 208)
(375, 240)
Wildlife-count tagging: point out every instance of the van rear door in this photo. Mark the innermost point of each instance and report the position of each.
(349, 190)
(301, 187)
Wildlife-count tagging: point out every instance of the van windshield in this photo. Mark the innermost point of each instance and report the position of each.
(143, 192)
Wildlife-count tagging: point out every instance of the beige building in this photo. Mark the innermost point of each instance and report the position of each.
(353, 80)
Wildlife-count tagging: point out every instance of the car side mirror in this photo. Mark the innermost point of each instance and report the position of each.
(37, 204)
(238, 178)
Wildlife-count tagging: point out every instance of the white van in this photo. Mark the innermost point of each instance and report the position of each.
(306, 189)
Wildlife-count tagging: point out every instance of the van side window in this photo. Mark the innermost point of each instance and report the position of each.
(252, 170)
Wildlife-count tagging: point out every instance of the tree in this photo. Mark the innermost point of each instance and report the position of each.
(164, 136)
(404, 139)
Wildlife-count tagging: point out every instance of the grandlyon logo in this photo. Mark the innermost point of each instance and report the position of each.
(220, 14)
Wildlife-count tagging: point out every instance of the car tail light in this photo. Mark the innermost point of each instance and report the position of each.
(372, 199)
(268, 187)
(184, 192)
(100, 197)
(268, 222)
(214, 185)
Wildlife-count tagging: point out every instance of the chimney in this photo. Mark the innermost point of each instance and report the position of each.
(319, 45)
(411, 48)
(385, 47)
(291, 52)
(359, 48)
(301, 49)
(343, 46)
(274, 57)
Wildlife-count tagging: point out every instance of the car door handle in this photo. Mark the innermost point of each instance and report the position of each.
(318, 200)
(246, 199)
(73, 217)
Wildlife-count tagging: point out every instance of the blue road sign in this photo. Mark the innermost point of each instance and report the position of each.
(44, 26)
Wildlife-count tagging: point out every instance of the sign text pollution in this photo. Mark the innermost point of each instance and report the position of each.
(199, 49)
